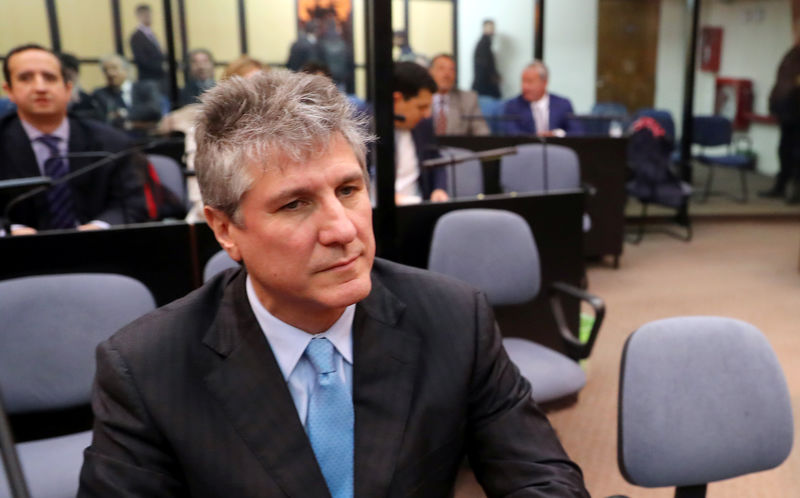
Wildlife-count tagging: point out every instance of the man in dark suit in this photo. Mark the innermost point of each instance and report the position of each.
(315, 370)
(147, 54)
(131, 106)
(536, 110)
(35, 139)
(414, 138)
(455, 112)
(486, 78)
(201, 75)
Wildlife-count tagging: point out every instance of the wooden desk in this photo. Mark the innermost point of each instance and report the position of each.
(603, 165)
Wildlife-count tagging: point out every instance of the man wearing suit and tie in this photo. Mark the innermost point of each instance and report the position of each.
(147, 53)
(455, 112)
(36, 138)
(125, 104)
(537, 111)
(315, 370)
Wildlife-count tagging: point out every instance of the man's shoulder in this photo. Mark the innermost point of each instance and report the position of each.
(98, 135)
(516, 103)
(559, 100)
(175, 327)
(416, 284)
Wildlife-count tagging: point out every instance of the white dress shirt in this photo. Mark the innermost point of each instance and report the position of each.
(407, 175)
(288, 344)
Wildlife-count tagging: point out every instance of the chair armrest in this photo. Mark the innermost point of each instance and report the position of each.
(575, 348)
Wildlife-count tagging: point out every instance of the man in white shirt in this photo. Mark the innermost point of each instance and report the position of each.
(455, 112)
(414, 137)
(537, 111)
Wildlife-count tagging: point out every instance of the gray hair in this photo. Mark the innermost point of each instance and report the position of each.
(264, 120)
(116, 57)
(540, 68)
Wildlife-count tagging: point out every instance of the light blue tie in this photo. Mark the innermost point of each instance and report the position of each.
(330, 420)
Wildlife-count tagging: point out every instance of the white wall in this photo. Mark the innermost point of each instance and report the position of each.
(673, 30)
(570, 50)
(513, 44)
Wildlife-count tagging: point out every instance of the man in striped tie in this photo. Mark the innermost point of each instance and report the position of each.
(41, 140)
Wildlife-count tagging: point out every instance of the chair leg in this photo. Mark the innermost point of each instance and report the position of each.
(709, 181)
(640, 229)
(743, 179)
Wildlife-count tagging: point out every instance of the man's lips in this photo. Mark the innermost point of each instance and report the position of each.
(342, 263)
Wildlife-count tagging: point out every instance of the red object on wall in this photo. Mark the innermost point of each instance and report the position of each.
(734, 100)
(710, 48)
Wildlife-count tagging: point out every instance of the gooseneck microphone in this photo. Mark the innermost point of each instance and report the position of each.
(106, 159)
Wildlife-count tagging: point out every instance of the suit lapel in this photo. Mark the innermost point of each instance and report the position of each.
(20, 155)
(385, 359)
(251, 390)
(454, 113)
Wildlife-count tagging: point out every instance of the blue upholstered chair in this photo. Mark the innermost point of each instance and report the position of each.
(51, 326)
(464, 179)
(717, 131)
(494, 250)
(217, 263)
(701, 399)
(171, 176)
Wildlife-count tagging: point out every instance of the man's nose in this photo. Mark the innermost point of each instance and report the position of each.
(336, 227)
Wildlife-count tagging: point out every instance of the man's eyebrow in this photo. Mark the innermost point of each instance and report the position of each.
(302, 190)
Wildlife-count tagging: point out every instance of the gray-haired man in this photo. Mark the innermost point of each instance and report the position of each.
(317, 370)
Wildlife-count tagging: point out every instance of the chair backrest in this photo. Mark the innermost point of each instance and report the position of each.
(663, 117)
(711, 131)
(700, 399)
(540, 168)
(463, 179)
(170, 175)
(217, 263)
(51, 326)
(491, 108)
(491, 249)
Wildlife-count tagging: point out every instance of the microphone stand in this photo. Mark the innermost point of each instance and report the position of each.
(545, 170)
(107, 158)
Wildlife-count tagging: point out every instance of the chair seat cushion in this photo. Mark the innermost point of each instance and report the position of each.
(732, 161)
(552, 375)
(59, 459)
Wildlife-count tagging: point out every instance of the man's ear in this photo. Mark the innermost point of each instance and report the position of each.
(222, 226)
(7, 91)
(396, 96)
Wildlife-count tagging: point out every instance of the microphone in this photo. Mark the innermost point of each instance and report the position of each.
(485, 155)
(106, 158)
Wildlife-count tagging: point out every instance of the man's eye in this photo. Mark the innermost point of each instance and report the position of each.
(348, 190)
(291, 206)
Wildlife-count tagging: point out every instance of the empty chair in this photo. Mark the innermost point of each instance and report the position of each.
(494, 250)
(540, 168)
(51, 326)
(715, 131)
(701, 399)
(601, 117)
(171, 176)
(463, 179)
(217, 263)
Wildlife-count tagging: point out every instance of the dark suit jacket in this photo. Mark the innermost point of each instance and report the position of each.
(190, 401)
(147, 56)
(487, 79)
(112, 193)
(425, 143)
(145, 103)
(560, 116)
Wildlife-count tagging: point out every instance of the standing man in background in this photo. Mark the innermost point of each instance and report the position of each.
(147, 53)
(455, 112)
(486, 78)
(784, 104)
(537, 111)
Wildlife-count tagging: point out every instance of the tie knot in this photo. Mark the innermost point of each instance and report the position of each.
(320, 353)
(51, 142)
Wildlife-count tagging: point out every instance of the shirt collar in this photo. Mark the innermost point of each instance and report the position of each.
(288, 343)
(33, 133)
(543, 102)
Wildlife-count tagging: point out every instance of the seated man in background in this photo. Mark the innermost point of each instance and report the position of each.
(537, 111)
(201, 75)
(414, 140)
(81, 105)
(455, 112)
(35, 140)
(316, 369)
(128, 105)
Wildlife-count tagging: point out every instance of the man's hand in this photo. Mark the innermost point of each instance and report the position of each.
(23, 231)
(439, 195)
(89, 226)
